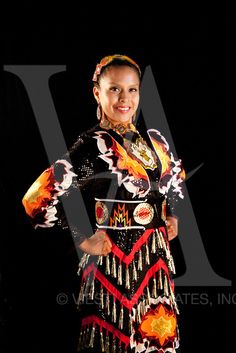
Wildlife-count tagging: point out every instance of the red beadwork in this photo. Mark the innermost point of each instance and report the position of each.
(100, 212)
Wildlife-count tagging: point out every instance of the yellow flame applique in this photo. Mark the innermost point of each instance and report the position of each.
(39, 192)
(163, 156)
(159, 324)
(126, 162)
(120, 217)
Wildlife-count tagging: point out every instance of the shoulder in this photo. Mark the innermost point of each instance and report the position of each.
(156, 136)
(82, 152)
(84, 141)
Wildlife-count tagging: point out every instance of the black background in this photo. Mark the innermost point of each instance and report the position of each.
(193, 61)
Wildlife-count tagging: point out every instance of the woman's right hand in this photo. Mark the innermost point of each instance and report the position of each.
(98, 244)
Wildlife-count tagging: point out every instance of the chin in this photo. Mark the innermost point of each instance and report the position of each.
(123, 119)
(118, 118)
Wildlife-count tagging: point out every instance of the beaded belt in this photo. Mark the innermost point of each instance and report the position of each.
(125, 214)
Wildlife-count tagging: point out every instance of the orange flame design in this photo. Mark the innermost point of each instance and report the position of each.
(126, 162)
(163, 155)
(120, 217)
(39, 193)
(182, 174)
(159, 324)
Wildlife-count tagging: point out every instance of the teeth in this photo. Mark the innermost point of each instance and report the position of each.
(124, 109)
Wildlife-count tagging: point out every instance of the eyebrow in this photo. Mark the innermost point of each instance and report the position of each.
(115, 83)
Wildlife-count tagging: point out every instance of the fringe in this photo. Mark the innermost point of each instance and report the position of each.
(160, 281)
(130, 322)
(83, 262)
(147, 255)
(91, 291)
(114, 345)
(100, 260)
(154, 287)
(134, 273)
(108, 271)
(107, 305)
(119, 279)
(140, 261)
(113, 267)
(121, 318)
(153, 250)
(107, 343)
(113, 315)
(101, 297)
(102, 341)
(91, 342)
(125, 275)
(127, 278)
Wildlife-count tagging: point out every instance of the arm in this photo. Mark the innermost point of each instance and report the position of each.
(174, 194)
(56, 199)
(172, 175)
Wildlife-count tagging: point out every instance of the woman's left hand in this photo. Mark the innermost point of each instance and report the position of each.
(172, 227)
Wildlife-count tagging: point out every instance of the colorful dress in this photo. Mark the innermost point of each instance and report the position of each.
(129, 183)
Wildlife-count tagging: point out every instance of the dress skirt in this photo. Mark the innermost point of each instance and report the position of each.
(126, 300)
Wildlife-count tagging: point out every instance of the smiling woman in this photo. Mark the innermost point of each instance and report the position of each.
(129, 182)
(117, 92)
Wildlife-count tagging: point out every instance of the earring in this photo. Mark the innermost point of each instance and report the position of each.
(99, 112)
(134, 117)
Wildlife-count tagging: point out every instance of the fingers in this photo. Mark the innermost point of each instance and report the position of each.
(172, 227)
(106, 248)
(172, 233)
(171, 236)
(106, 238)
(107, 244)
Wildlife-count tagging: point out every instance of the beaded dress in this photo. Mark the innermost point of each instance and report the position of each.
(129, 183)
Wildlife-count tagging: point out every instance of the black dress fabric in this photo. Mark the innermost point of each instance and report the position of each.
(126, 184)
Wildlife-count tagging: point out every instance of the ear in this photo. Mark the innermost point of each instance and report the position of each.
(96, 94)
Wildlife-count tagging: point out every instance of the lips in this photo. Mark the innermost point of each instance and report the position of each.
(123, 109)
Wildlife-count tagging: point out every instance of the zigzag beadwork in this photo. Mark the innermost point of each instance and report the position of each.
(160, 264)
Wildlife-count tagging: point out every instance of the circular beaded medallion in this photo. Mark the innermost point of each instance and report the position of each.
(101, 212)
(143, 213)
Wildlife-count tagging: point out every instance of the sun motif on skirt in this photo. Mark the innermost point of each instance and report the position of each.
(159, 324)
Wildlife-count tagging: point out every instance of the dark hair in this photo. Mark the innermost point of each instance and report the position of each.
(116, 63)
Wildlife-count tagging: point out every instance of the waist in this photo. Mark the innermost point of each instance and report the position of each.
(129, 214)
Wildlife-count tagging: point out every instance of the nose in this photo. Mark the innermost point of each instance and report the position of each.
(123, 97)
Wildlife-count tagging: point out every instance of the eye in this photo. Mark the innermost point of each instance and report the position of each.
(133, 90)
(114, 89)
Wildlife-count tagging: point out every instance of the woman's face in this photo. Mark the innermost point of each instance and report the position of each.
(118, 93)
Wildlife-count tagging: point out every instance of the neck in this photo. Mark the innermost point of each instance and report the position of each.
(118, 126)
(115, 122)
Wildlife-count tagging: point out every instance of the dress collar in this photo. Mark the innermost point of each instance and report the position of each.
(120, 128)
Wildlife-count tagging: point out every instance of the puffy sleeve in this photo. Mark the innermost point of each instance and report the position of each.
(58, 196)
(175, 190)
(172, 173)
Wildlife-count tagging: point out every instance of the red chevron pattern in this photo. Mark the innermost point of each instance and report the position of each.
(128, 258)
(103, 324)
(160, 264)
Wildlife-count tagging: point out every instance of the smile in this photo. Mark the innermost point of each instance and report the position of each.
(123, 109)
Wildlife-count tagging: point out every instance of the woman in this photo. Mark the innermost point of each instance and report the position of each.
(129, 184)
